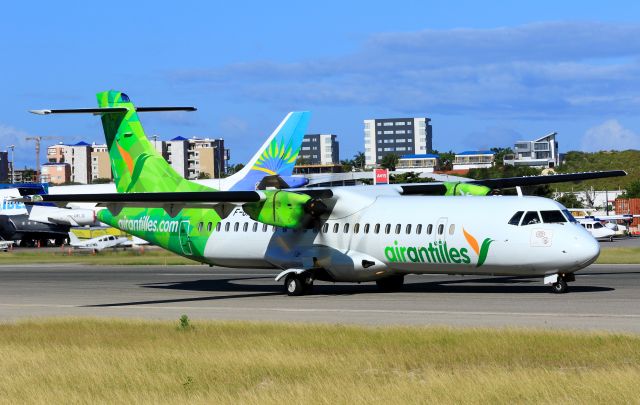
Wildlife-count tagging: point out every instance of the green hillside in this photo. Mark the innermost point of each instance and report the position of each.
(628, 160)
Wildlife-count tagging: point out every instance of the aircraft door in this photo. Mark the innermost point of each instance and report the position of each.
(185, 239)
(440, 231)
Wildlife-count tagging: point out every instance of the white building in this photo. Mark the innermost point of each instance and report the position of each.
(541, 152)
(195, 156)
(320, 149)
(420, 163)
(473, 159)
(401, 136)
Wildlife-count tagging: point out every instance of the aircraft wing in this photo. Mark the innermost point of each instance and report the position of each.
(508, 182)
(184, 199)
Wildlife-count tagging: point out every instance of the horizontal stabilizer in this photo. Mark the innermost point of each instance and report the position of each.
(109, 110)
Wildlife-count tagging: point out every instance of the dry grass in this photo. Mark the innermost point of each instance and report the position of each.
(89, 361)
(105, 257)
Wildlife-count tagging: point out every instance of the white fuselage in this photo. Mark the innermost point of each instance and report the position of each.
(370, 236)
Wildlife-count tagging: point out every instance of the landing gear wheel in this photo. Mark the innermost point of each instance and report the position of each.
(390, 284)
(294, 285)
(559, 287)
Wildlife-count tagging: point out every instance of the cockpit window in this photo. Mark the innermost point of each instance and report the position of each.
(552, 217)
(569, 216)
(530, 218)
(515, 219)
(597, 225)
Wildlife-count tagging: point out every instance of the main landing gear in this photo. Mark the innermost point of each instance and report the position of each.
(296, 284)
(559, 282)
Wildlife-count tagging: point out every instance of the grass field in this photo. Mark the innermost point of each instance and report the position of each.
(128, 257)
(619, 255)
(114, 361)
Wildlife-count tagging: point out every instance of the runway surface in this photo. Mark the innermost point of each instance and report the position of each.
(604, 297)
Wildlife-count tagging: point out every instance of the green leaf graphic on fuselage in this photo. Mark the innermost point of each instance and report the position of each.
(484, 250)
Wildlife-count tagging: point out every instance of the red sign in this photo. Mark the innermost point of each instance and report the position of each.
(381, 176)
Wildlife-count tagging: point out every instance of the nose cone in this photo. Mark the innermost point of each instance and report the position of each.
(588, 250)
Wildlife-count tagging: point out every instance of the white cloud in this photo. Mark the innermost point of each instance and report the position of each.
(533, 70)
(610, 135)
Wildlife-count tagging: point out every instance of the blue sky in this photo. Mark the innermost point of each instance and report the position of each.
(486, 73)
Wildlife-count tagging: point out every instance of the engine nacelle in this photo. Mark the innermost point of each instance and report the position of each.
(279, 208)
(73, 217)
(461, 188)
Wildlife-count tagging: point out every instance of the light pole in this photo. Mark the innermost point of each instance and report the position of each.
(13, 148)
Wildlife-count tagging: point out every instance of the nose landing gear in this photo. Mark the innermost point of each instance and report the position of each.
(558, 282)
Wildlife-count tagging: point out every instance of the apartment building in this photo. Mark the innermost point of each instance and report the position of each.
(401, 136)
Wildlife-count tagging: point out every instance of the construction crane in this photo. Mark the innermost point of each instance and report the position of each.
(37, 140)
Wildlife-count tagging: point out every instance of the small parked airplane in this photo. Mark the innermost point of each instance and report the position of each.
(5, 244)
(596, 229)
(98, 243)
(339, 234)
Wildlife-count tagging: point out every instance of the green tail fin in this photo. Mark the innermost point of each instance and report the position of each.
(136, 165)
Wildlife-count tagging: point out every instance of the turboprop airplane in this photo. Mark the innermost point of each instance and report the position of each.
(341, 234)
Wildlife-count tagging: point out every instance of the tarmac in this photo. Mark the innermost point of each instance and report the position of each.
(603, 297)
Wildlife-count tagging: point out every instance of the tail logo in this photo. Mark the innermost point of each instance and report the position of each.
(274, 157)
(481, 251)
(126, 157)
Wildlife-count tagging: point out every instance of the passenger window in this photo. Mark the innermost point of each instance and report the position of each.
(264, 227)
(346, 228)
(236, 226)
(356, 228)
(452, 229)
(515, 219)
(408, 229)
(255, 227)
(227, 226)
(440, 229)
(387, 228)
(552, 217)
(200, 226)
(325, 228)
(376, 229)
(530, 218)
(273, 228)
(209, 226)
(419, 229)
(218, 226)
(366, 228)
(429, 229)
(335, 227)
(398, 228)
(245, 227)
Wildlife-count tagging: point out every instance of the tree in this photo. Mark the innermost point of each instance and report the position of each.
(235, 168)
(632, 191)
(204, 175)
(409, 177)
(101, 180)
(500, 154)
(390, 161)
(347, 165)
(446, 159)
(359, 160)
(570, 200)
